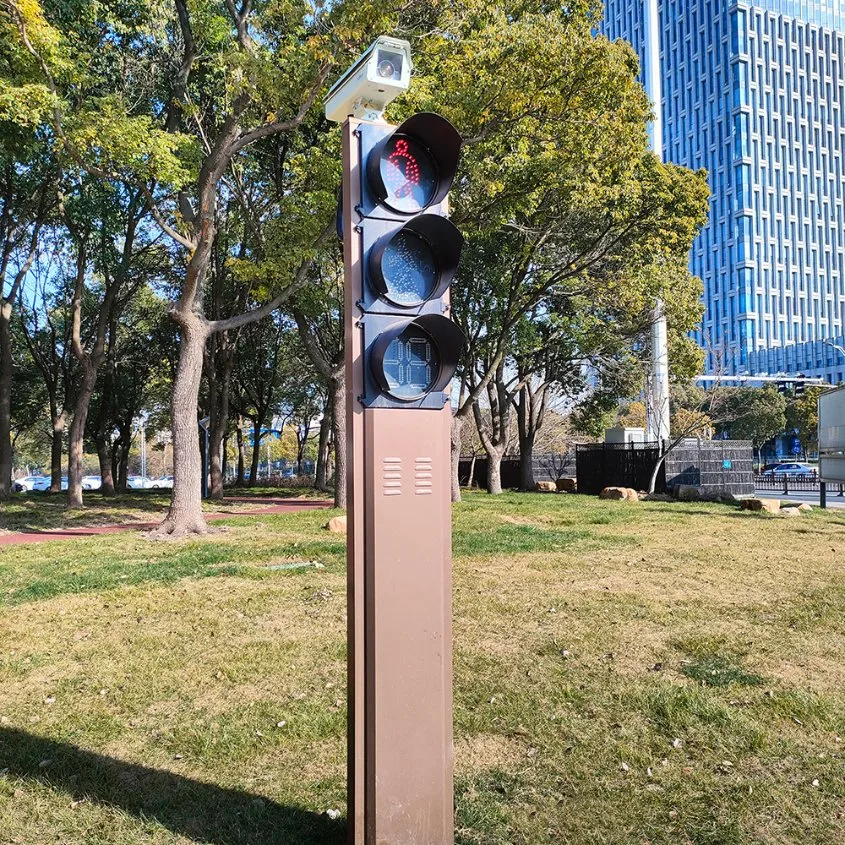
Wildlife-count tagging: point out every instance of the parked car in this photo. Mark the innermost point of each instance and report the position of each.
(30, 483)
(791, 471)
(92, 482)
(137, 482)
(163, 483)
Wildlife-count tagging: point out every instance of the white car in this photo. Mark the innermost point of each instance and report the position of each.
(92, 482)
(163, 483)
(792, 470)
(137, 482)
(38, 483)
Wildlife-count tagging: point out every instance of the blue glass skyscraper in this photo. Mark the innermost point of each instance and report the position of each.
(754, 92)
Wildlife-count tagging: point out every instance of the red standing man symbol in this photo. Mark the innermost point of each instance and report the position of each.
(403, 170)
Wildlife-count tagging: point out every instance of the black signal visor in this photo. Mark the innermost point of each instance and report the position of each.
(414, 167)
(417, 263)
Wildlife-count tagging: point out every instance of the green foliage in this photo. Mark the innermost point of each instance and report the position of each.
(749, 413)
(802, 414)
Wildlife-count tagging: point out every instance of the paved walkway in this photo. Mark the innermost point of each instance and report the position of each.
(268, 506)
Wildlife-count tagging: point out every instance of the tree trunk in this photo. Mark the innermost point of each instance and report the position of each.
(5, 400)
(472, 470)
(219, 418)
(77, 434)
(224, 456)
(526, 462)
(105, 459)
(256, 453)
(215, 447)
(239, 436)
(185, 513)
(321, 479)
(494, 471)
(456, 441)
(339, 436)
(58, 424)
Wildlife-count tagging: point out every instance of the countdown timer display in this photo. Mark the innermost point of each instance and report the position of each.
(409, 174)
(411, 364)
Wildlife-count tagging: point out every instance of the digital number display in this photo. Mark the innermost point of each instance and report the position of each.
(409, 269)
(411, 364)
(408, 173)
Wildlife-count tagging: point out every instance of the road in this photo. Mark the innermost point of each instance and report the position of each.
(834, 501)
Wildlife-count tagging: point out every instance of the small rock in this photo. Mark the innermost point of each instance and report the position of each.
(4, 720)
(51, 699)
(625, 767)
(44, 763)
(178, 756)
(761, 505)
(281, 724)
(676, 743)
(336, 525)
(816, 783)
(334, 815)
(687, 493)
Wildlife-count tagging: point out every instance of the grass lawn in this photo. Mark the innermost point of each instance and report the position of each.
(47, 511)
(624, 673)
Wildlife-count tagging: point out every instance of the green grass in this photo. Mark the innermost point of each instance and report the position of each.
(47, 511)
(624, 673)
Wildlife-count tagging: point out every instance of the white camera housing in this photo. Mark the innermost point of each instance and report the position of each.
(381, 74)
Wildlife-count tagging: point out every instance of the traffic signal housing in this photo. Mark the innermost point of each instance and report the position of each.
(411, 252)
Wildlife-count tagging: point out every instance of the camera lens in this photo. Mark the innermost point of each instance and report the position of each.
(386, 69)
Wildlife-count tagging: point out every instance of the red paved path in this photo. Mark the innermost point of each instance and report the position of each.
(270, 506)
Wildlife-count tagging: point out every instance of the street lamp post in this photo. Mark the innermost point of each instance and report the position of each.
(658, 417)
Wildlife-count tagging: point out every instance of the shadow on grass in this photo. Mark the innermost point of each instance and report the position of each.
(200, 811)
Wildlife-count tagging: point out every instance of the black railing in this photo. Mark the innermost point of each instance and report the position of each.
(786, 484)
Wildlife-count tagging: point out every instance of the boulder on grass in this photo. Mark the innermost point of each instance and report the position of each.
(688, 493)
(619, 494)
(805, 508)
(336, 525)
(614, 494)
(545, 487)
(790, 512)
(567, 485)
(761, 505)
(657, 497)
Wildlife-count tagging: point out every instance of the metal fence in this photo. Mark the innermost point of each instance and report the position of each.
(601, 465)
(795, 484)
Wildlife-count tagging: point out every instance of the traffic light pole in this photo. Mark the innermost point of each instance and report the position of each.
(400, 757)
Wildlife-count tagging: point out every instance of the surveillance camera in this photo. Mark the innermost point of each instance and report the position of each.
(381, 74)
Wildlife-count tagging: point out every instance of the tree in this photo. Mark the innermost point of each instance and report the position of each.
(46, 327)
(802, 416)
(751, 413)
(120, 254)
(27, 198)
(557, 192)
(318, 311)
(136, 376)
(230, 74)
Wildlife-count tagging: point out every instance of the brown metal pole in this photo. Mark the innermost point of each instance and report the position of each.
(400, 594)
(354, 491)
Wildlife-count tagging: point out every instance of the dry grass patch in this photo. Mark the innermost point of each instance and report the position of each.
(651, 673)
